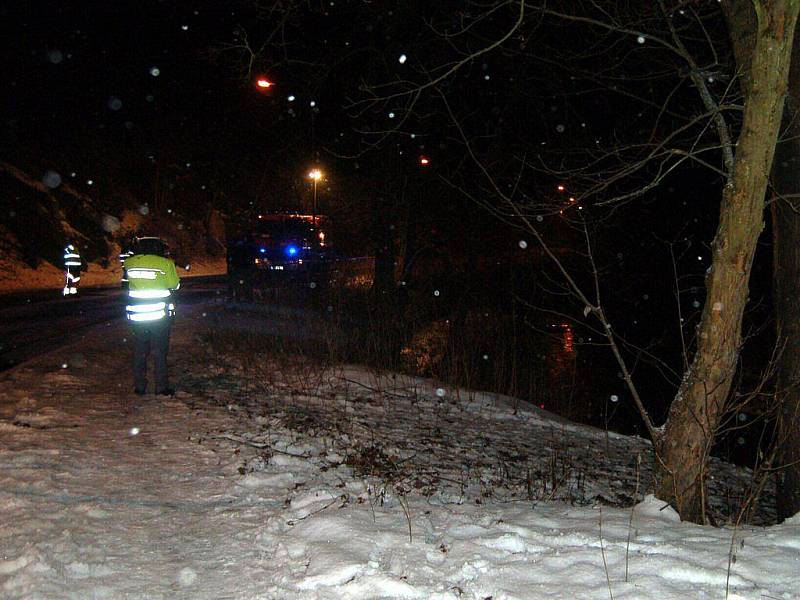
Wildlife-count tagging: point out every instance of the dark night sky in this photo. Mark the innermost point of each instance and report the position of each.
(103, 89)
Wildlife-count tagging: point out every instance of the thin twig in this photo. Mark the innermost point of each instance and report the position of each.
(603, 552)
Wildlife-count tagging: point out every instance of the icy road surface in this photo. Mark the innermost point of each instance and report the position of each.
(336, 484)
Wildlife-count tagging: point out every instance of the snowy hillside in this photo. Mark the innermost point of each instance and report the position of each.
(52, 208)
(341, 483)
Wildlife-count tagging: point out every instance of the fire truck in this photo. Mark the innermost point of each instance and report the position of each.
(278, 250)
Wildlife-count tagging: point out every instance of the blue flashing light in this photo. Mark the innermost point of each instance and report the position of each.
(291, 250)
(262, 250)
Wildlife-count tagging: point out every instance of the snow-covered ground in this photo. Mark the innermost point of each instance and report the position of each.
(271, 477)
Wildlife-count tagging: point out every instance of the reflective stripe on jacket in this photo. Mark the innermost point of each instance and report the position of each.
(71, 257)
(151, 281)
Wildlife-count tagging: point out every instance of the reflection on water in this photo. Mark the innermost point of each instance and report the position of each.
(560, 365)
(492, 352)
(568, 339)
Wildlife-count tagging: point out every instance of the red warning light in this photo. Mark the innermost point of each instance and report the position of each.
(560, 188)
(423, 160)
(264, 83)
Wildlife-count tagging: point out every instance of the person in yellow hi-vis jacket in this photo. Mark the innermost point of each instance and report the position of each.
(152, 281)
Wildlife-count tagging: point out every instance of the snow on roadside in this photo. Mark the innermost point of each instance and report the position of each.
(16, 276)
(346, 486)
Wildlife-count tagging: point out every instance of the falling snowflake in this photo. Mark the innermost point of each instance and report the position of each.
(185, 27)
(134, 431)
(640, 39)
(403, 58)
(560, 128)
(696, 304)
(614, 398)
(391, 115)
(436, 292)
(523, 244)
(114, 103)
(155, 71)
(539, 218)
(440, 392)
(55, 56)
(290, 98)
(110, 223)
(51, 179)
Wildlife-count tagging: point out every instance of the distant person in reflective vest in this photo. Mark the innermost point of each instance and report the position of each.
(72, 270)
(150, 309)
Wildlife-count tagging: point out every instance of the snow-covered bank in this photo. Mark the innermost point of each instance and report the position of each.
(335, 484)
(16, 276)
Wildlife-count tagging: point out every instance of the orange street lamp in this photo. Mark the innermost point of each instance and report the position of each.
(264, 83)
(315, 175)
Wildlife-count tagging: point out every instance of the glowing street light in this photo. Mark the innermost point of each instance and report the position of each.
(264, 83)
(315, 175)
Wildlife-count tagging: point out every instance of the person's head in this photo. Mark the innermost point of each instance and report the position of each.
(150, 245)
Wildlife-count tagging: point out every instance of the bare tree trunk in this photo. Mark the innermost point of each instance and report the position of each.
(786, 248)
(695, 413)
(786, 275)
(786, 258)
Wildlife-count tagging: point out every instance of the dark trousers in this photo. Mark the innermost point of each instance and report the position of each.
(151, 338)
